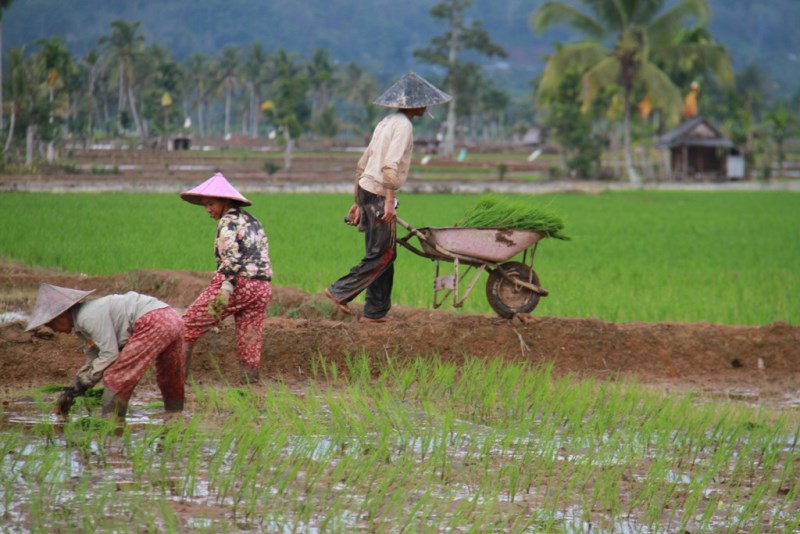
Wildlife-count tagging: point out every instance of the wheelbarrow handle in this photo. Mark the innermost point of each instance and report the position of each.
(404, 224)
(413, 231)
(419, 235)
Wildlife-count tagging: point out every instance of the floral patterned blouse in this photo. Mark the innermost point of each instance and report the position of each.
(241, 247)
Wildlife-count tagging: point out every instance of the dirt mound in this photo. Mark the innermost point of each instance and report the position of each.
(752, 363)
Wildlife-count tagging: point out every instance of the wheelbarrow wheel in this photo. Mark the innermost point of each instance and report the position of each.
(507, 298)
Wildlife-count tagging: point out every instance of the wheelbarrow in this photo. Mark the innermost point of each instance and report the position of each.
(513, 286)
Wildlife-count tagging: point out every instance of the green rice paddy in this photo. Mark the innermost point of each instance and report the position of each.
(720, 257)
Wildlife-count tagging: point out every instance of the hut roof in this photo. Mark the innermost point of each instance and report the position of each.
(697, 131)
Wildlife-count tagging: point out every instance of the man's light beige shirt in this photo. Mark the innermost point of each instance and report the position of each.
(386, 161)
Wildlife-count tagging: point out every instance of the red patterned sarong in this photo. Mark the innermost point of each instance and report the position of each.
(248, 305)
(157, 336)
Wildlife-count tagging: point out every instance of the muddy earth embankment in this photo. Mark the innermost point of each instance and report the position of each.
(760, 364)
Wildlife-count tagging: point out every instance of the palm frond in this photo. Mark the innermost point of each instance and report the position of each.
(571, 59)
(644, 11)
(664, 27)
(663, 93)
(714, 58)
(553, 13)
(603, 74)
(615, 15)
(622, 14)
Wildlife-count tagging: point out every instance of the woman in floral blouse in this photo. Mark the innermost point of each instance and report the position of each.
(241, 285)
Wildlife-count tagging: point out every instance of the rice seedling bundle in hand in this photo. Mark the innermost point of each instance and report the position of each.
(493, 212)
(92, 396)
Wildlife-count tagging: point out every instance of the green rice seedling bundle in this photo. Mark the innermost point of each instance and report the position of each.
(91, 398)
(51, 388)
(494, 212)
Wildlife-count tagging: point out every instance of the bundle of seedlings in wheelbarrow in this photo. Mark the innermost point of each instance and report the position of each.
(488, 239)
(493, 212)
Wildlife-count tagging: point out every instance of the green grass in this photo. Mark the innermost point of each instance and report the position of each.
(721, 257)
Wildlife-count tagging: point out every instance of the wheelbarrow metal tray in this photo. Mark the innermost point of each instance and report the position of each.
(487, 244)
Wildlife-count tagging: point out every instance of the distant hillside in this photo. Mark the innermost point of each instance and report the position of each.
(379, 35)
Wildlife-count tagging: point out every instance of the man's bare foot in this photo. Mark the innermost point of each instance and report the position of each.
(365, 319)
(341, 305)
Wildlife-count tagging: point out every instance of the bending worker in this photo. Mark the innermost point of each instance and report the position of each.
(380, 173)
(123, 335)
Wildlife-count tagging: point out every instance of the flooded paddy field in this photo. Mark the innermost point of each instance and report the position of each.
(421, 446)
(434, 422)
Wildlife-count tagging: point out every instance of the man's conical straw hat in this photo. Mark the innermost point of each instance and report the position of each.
(412, 91)
(52, 301)
(217, 187)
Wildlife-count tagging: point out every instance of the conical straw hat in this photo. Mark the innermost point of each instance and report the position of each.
(52, 301)
(412, 91)
(217, 187)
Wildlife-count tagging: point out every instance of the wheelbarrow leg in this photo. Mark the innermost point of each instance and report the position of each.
(458, 302)
(450, 284)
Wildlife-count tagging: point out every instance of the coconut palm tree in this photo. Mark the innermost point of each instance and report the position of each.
(227, 68)
(29, 100)
(87, 101)
(292, 111)
(159, 78)
(254, 70)
(21, 95)
(780, 126)
(321, 73)
(358, 87)
(55, 64)
(626, 39)
(197, 70)
(4, 5)
(121, 50)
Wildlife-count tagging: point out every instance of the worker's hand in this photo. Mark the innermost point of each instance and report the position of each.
(389, 213)
(65, 401)
(353, 215)
(218, 305)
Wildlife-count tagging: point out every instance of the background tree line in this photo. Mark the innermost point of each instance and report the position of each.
(126, 86)
(379, 35)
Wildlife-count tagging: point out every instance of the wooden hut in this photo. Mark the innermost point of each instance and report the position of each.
(698, 151)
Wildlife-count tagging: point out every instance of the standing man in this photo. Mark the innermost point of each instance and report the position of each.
(380, 173)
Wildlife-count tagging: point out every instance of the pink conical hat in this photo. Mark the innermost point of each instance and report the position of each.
(217, 187)
(52, 301)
